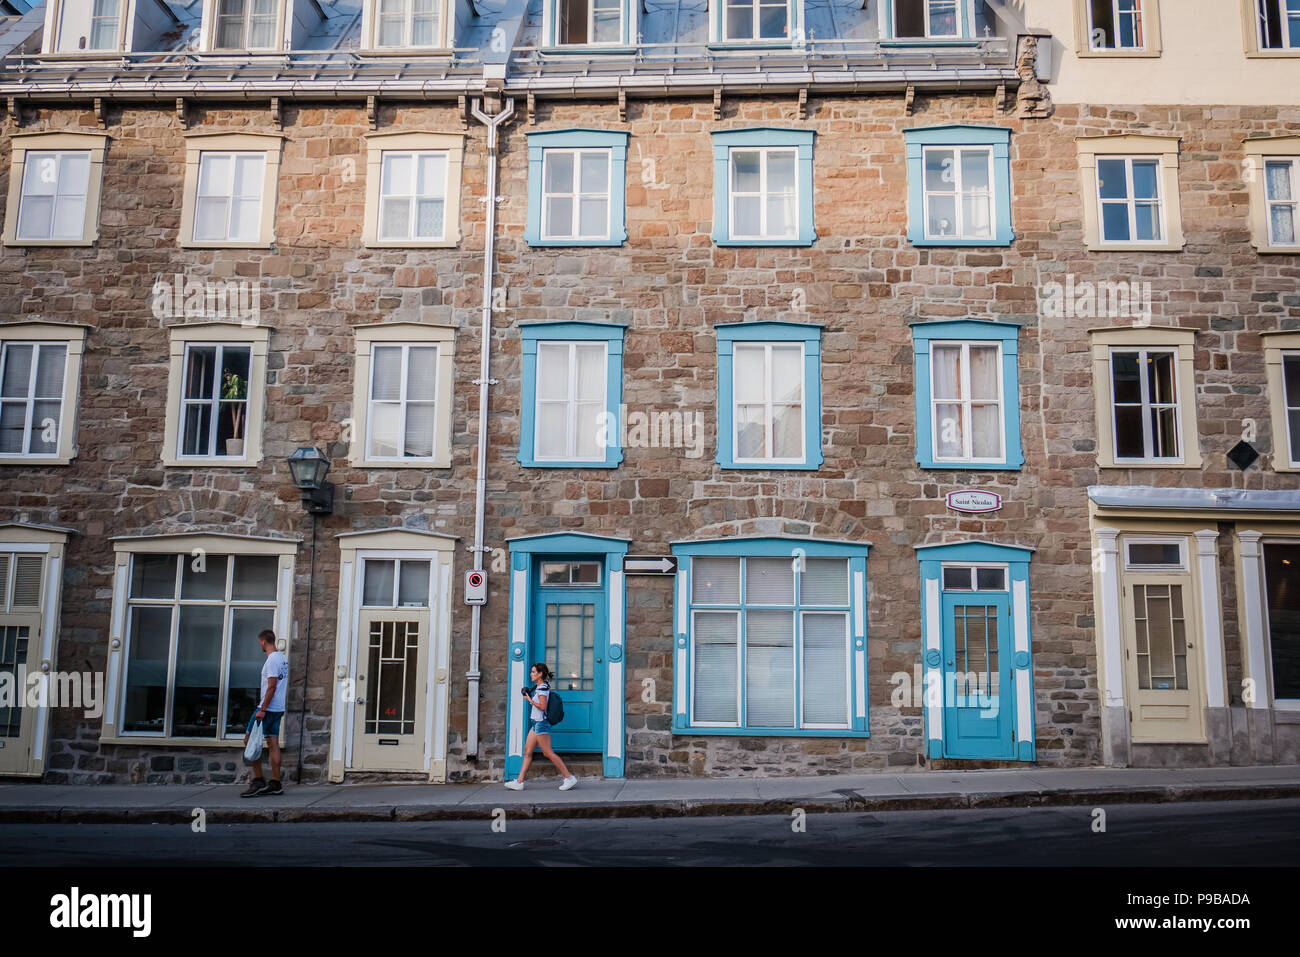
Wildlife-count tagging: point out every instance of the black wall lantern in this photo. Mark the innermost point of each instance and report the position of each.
(308, 467)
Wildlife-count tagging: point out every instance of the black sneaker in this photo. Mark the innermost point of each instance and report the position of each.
(256, 787)
(272, 789)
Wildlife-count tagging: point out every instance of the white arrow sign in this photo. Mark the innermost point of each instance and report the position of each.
(650, 565)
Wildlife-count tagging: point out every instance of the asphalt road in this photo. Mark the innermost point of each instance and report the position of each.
(1233, 833)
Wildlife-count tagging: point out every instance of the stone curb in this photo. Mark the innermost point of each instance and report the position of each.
(850, 803)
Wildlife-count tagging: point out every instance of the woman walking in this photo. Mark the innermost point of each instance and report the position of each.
(539, 731)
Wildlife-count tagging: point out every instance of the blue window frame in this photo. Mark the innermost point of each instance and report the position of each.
(967, 395)
(756, 23)
(770, 637)
(571, 420)
(926, 21)
(978, 657)
(577, 188)
(763, 188)
(771, 416)
(959, 186)
(589, 26)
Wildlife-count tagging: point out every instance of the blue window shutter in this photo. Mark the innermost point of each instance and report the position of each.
(807, 333)
(616, 143)
(534, 332)
(968, 330)
(995, 137)
(759, 138)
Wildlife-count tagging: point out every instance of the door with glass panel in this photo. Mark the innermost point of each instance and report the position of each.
(393, 648)
(569, 634)
(978, 685)
(20, 637)
(1162, 650)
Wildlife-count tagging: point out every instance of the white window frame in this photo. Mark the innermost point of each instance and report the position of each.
(1146, 405)
(966, 402)
(756, 6)
(1131, 201)
(229, 197)
(398, 558)
(403, 401)
(591, 24)
(214, 402)
(769, 422)
(763, 194)
(408, 26)
(246, 29)
(1293, 163)
(570, 402)
(1116, 13)
(929, 34)
(176, 603)
(576, 196)
(1182, 566)
(115, 20)
(38, 346)
(1292, 439)
(959, 193)
(34, 161)
(1262, 35)
(413, 198)
(974, 578)
(572, 567)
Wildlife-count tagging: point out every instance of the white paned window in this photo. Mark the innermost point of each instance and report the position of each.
(590, 21)
(1116, 25)
(958, 192)
(1291, 402)
(105, 18)
(193, 664)
(413, 199)
(764, 187)
(402, 419)
(755, 20)
(1281, 182)
(395, 583)
(974, 577)
(31, 397)
(407, 23)
(769, 642)
(214, 400)
(914, 19)
(575, 194)
(1128, 189)
(1279, 24)
(571, 395)
(768, 397)
(1144, 391)
(246, 24)
(53, 201)
(229, 203)
(966, 402)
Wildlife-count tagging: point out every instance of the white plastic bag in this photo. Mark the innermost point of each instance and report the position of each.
(256, 740)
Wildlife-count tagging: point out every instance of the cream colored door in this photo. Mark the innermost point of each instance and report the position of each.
(1163, 659)
(391, 690)
(19, 651)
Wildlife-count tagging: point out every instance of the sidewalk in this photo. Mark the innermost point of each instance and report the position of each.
(646, 797)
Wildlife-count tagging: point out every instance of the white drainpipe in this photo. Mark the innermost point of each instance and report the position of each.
(480, 493)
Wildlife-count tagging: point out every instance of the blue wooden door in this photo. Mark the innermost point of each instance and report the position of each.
(978, 690)
(570, 634)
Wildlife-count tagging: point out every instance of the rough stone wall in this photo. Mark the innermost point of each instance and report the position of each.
(862, 280)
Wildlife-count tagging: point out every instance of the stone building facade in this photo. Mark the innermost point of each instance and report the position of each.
(859, 298)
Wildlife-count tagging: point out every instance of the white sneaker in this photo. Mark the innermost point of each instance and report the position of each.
(515, 785)
(569, 782)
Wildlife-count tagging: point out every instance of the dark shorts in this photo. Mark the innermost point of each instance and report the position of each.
(270, 724)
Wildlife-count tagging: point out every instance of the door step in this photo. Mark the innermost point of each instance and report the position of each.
(968, 764)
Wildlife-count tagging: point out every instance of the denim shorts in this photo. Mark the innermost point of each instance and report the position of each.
(270, 724)
(539, 727)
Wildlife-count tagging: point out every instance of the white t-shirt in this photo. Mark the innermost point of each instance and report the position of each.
(277, 666)
(539, 713)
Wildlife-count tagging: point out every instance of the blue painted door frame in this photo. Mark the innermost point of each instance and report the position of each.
(607, 707)
(586, 607)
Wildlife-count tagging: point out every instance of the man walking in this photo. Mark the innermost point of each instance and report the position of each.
(270, 710)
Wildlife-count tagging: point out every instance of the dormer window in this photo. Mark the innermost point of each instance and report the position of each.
(590, 21)
(922, 19)
(407, 23)
(246, 24)
(756, 20)
(105, 19)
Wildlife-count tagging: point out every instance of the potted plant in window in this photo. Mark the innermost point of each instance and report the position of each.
(234, 388)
